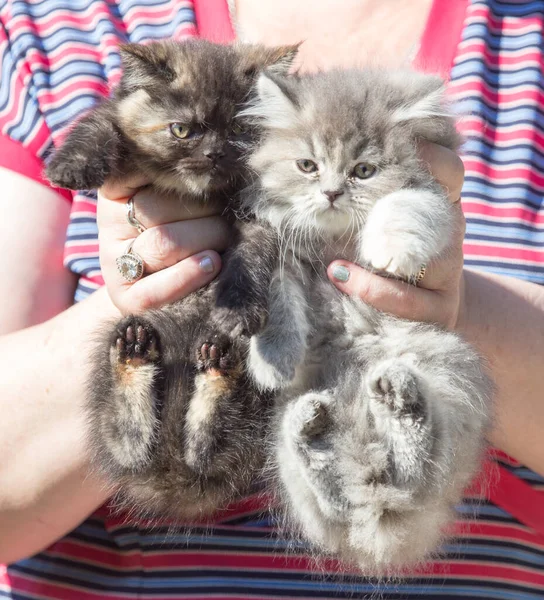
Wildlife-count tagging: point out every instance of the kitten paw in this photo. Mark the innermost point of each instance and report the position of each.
(215, 353)
(310, 417)
(405, 230)
(395, 385)
(397, 253)
(136, 343)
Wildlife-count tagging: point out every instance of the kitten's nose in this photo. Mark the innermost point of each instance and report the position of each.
(333, 194)
(214, 155)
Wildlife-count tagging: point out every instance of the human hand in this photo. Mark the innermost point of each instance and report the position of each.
(437, 298)
(179, 246)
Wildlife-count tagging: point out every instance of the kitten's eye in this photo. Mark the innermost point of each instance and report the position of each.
(307, 166)
(364, 171)
(180, 130)
(237, 129)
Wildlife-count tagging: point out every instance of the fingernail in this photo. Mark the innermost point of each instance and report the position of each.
(206, 264)
(340, 273)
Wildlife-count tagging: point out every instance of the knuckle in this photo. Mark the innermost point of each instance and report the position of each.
(159, 244)
(362, 287)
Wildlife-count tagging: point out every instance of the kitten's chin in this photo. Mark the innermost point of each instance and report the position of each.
(334, 222)
(205, 183)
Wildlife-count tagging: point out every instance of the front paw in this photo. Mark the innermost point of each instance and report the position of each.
(396, 252)
(404, 231)
(76, 172)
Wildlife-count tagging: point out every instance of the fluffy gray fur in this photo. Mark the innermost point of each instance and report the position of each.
(381, 421)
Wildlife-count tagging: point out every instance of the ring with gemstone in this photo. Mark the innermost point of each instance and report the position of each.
(131, 216)
(130, 264)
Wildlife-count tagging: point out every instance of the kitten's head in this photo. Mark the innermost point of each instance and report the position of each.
(173, 117)
(335, 142)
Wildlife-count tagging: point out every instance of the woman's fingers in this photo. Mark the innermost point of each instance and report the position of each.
(179, 245)
(149, 208)
(170, 284)
(393, 296)
(165, 245)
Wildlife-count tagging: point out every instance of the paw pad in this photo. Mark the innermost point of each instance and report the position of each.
(215, 352)
(136, 342)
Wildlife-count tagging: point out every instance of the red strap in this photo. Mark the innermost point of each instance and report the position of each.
(441, 37)
(213, 21)
(512, 494)
(16, 157)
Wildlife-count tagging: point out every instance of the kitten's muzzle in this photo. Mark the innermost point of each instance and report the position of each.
(333, 195)
(214, 155)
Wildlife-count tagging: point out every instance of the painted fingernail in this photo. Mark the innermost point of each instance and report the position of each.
(340, 273)
(206, 264)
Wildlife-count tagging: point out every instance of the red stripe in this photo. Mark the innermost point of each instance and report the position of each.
(506, 24)
(505, 251)
(531, 95)
(43, 589)
(518, 499)
(506, 213)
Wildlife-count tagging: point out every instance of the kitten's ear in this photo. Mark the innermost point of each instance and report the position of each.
(426, 110)
(90, 153)
(276, 103)
(142, 65)
(425, 101)
(274, 59)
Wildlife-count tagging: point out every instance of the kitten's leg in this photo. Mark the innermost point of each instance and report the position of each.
(82, 163)
(126, 414)
(406, 229)
(307, 467)
(275, 353)
(242, 293)
(218, 379)
(306, 424)
(402, 417)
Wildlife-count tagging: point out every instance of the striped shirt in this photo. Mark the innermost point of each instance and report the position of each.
(57, 57)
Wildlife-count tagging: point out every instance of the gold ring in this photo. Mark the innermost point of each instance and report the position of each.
(418, 277)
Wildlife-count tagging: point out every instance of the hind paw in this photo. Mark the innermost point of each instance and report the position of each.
(136, 343)
(395, 385)
(309, 417)
(216, 353)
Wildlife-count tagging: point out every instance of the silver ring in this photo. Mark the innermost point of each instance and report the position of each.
(131, 216)
(418, 277)
(130, 265)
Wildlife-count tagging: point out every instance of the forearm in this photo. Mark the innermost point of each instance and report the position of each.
(46, 487)
(504, 318)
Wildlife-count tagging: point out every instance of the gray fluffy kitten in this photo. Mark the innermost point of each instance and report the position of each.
(381, 421)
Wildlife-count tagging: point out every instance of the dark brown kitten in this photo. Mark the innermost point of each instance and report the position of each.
(174, 422)
(172, 118)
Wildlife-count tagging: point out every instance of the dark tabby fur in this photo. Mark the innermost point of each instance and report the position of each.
(157, 428)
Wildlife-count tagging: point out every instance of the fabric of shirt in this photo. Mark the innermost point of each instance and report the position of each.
(57, 58)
